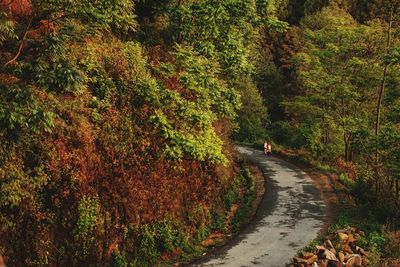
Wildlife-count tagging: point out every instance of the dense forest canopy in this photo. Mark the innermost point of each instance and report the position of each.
(117, 118)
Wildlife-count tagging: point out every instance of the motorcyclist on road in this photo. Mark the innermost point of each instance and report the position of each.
(267, 149)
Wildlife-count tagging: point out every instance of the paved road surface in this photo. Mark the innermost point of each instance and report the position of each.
(290, 215)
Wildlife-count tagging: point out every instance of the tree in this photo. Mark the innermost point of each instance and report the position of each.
(390, 14)
(337, 73)
(253, 116)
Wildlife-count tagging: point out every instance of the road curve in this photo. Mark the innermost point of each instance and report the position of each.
(290, 215)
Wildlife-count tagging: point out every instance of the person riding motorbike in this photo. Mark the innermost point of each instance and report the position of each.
(267, 149)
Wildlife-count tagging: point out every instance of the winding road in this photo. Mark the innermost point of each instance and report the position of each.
(290, 215)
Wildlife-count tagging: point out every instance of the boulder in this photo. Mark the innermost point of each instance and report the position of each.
(307, 255)
(354, 261)
(341, 256)
(346, 248)
(361, 251)
(343, 237)
(299, 260)
(330, 256)
(312, 260)
(330, 246)
(351, 238)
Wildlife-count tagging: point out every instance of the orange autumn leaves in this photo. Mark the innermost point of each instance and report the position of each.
(16, 7)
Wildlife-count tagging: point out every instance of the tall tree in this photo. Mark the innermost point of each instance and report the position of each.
(389, 12)
(336, 70)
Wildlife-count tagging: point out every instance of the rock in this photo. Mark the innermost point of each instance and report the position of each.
(299, 260)
(361, 251)
(349, 255)
(320, 248)
(312, 260)
(330, 246)
(307, 255)
(320, 251)
(353, 246)
(333, 264)
(330, 256)
(354, 261)
(351, 238)
(323, 263)
(346, 248)
(343, 237)
(341, 256)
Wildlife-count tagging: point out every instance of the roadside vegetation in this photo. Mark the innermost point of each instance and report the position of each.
(332, 92)
(118, 119)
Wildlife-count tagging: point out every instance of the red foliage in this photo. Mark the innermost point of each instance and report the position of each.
(44, 27)
(16, 7)
(349, 168)
(118, 158)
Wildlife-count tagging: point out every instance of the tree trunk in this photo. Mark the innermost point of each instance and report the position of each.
(346, 147)
(380, 100)
(382, 87)
(180, 35)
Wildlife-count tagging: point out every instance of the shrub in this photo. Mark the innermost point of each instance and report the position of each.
(119, 260)
(89, 210)
(392, 247)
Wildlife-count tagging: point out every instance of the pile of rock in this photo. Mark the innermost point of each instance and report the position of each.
(343, 252)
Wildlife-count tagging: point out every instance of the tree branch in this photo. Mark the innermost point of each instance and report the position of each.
(21, 45)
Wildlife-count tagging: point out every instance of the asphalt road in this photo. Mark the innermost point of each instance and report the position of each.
(290, 215)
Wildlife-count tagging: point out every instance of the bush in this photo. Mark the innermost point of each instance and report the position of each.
(392, 247)
(89, 210)
(119, 260)
(246, 201)
(346, 180)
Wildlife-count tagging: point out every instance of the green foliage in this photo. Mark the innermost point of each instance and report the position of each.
(18, 186)
(59, 76)
(336, 47)
(363, 219)
(7, 30)
(104, 14)
(148, 245)
(253, 115)
(225, 30)
(246, 205)
(232, 195)
(119, 260)
(218, 220)
(345, 180)
(21, 111)
(159, 237)
(190, 131)
(393, 58)
(89, 211)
